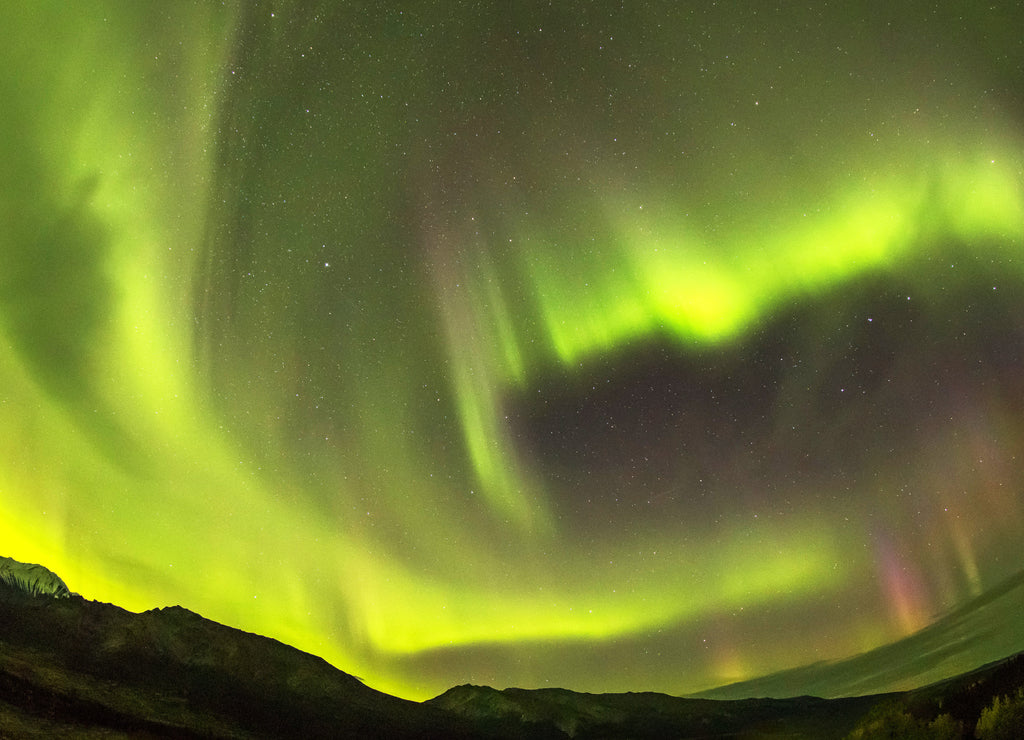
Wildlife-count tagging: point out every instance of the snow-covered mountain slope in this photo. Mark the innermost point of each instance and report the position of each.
(32, 579)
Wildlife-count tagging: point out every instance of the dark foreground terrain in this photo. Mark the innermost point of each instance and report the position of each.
(76, 668)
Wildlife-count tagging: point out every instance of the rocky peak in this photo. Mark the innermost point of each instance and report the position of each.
(34, 580)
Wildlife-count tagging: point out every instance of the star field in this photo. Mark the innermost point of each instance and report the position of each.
(613, 347)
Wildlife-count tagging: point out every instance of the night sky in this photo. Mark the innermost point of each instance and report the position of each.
(611, 346)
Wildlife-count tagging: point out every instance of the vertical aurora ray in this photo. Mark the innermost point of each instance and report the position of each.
(657, 333)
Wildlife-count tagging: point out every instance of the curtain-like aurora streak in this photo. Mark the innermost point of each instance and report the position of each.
(326, 322)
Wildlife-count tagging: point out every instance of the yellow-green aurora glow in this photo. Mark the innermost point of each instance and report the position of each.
(613, 349)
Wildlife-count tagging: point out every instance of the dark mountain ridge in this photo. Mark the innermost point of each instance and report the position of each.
(70, 667)
(653, 715)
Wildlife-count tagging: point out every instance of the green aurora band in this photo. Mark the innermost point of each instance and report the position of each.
(279, 285)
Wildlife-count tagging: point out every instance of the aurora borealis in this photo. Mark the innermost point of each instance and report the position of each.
(643, 346)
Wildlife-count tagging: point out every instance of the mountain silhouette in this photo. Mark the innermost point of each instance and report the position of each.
(70, 667)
